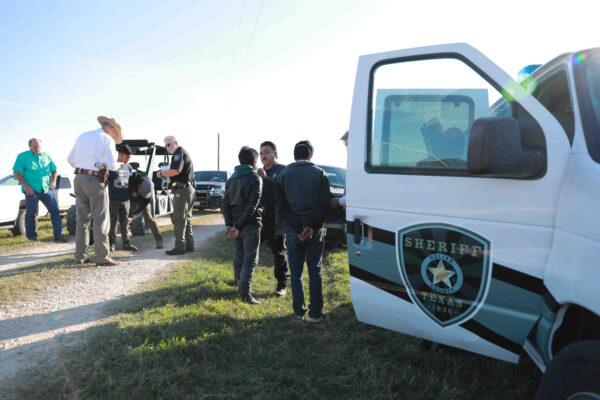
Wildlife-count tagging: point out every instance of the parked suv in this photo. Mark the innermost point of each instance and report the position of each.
(12, 203)
(210, 189)
(479, 228)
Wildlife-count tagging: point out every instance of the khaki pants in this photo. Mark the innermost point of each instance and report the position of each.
(151, 223)
(183, 204)
(91, 202)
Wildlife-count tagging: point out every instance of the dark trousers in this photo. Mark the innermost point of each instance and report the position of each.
(277, 245)
(119, 212)
(151, 223)
(245, 256)
(311, 251)
(48, 199)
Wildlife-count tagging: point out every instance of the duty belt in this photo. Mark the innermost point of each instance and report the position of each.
(84, 171)
(177, 184)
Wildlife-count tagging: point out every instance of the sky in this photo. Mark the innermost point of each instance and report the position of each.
(251, 70)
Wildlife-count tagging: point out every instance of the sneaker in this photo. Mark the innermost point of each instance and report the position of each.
(129, 247)
(83, 261)
(159, 245)
(61, 239)
(233, 282)
(317, 319)
(174, 252)
(298, 317)
(280, 291)
(249, 299)
(109, 262)
(111, 247)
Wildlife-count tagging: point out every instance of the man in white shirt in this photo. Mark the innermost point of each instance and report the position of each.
(92, 153)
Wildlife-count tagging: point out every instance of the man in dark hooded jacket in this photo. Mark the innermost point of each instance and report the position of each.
(242, 213)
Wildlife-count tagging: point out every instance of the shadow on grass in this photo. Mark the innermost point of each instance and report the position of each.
(271, 357)
(193, 339)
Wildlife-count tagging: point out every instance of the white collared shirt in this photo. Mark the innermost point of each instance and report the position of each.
(92, 147)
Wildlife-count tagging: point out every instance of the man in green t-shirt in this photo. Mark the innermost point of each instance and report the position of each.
(36, 173)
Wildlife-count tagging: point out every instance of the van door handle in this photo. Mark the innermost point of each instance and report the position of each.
(358, 231)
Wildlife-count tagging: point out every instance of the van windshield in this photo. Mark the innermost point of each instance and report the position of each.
(586, 65)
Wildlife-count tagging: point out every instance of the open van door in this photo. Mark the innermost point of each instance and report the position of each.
(451, 208)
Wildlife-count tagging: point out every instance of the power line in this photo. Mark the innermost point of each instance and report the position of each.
(241, 73)
(249, 47)
(235, 47)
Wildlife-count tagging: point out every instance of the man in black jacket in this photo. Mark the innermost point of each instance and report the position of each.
(302, 203)
(140, 196)
(273, 233)
(242, 213)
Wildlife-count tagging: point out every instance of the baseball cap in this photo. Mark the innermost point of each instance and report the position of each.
(145, 188)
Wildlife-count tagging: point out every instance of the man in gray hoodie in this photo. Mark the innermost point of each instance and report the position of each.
(302, 203)
(243, 218)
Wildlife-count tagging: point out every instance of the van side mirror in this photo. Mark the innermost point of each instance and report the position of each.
(496, 150)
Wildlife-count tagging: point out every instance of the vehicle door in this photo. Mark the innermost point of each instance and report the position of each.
(10, 193)
(63, 193)
(450, 208)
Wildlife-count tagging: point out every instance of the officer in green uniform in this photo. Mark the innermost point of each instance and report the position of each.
(181, 172)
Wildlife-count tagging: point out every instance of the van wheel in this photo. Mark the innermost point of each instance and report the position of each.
(19, 228)
(71, 220)
(138, 226)
(574, 374)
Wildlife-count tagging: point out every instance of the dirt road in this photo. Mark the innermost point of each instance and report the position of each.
(32, 331)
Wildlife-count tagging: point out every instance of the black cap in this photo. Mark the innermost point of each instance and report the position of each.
(124, 148)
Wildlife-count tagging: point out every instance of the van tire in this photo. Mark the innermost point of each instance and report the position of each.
(574, 370)
(19, 228)
(71, 220)
(138, 226)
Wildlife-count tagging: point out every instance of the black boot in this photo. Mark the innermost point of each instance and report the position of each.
(129, 246)
(189, 246)
(174, 252)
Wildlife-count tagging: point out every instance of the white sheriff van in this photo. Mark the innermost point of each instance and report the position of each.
(480, 230)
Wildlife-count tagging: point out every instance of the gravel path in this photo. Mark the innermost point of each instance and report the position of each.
(33, 331)
(32, 255)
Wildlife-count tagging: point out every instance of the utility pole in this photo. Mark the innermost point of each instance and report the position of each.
(218, 151)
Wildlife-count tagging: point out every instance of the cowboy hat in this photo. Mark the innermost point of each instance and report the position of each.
(102, 120)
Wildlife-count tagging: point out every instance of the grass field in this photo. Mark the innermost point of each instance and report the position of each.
(191, 338)
(9, 242)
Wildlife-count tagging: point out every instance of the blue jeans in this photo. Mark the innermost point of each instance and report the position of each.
(311, 251)
(31, 210)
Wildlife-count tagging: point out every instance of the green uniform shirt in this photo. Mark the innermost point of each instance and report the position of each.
(35, 169)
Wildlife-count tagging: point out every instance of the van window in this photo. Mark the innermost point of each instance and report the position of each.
(586, 66)
(554, 94)
(425, 130)
(422, 112)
